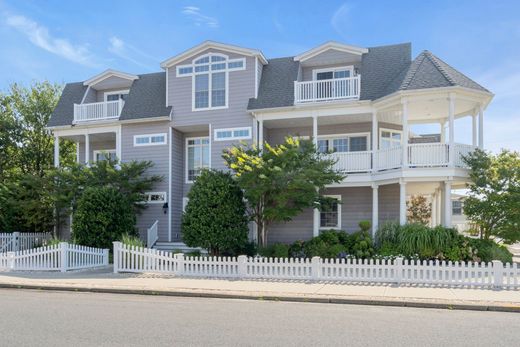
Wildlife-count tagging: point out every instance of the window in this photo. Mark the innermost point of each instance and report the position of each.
(343, 143)
(330, 215)
(107, 154)
(155, 197)
(149, 140)
(197, 150)
(456, 207)
(333, 73)
(116, 95)
(210, 79)
(389, 138)
(233, 134)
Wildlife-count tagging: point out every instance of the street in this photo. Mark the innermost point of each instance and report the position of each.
(40, 318)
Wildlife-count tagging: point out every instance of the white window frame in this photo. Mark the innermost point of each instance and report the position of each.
(332, 69)
(186, 154)
(338, 227)
(391, 131)
(106, 94)
(148, 197)
(99, 151)
(210, 72)
(348, 135)
(233, 137)
(165, 142)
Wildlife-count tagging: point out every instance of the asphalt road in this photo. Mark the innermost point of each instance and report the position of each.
(37, 318)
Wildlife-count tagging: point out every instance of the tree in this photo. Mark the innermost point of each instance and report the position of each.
(279, 182)
(493, 201)
(419, 210)
(103, 216)
(215, 216)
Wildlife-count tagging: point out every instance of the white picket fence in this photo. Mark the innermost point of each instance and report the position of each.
(494, 274)
(62, 257)
(16, 241)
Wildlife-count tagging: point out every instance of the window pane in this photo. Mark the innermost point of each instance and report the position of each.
(202, 68)
(201, 91)
(142, 140)
(329, 217)
(358, 143)
(241, 133)
(157, 139)
(215, 58)
(235, 64)
(324, 75)
(342, 74)
(396, 136)
(223, 134)
(218, 94)
(202, 60)
(340, 145)
(185, 70)
(323, 146)
(113, 97)
(205, 157)
(221, 66)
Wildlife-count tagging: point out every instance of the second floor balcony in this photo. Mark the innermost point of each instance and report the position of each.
(97, 111)
(327, 90)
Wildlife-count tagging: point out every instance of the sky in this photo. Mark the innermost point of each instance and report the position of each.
(68, 41)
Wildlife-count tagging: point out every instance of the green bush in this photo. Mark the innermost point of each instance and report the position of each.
(362, 246)
(488, 250)
(276, 250)
(364, 225)
(387, 233)
(131, 240)
(297, 250)
(215, 217)
(103, 215)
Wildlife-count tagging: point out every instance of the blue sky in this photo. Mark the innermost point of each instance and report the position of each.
(65, 41)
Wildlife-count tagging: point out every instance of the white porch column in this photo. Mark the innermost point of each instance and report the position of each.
(443, 131)
(315, 130)
(451, 119)
(434, 209)
(375, 136)
(402, 202)
(439, 206)
(316, 223)
(77, 152)
(118, 144)
(404, 102)
(474, 129)
(447, 204)
(260, 133)
(56, 151)
(481, 127)
(375, 209)
(87, 149)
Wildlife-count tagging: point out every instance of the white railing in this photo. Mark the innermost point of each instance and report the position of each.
(428, 154)
(16, 241)
(152, 234)
(324, 90)
(98, 110)
(460, 150)
(399, 270)
(61, 257)
(352, 161)
(388, 158)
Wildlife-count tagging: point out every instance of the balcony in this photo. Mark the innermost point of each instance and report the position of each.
(327, 90)
(426, 155)
(98, 111)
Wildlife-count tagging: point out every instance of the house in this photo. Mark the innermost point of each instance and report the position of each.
(358, 102)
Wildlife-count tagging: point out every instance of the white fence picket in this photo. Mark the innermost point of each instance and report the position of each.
(16, 241)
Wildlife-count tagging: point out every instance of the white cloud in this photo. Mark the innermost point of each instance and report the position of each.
(39, 36)
(200, 19)
(130, 53)
(339, 19)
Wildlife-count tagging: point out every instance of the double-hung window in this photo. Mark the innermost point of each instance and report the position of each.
(389, 138)
(197, 154)
(343, 143)
(456, 207)
(210, 79)
(330, 215)
(108, 154)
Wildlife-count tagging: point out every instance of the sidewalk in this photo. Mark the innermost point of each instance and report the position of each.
(103, 280)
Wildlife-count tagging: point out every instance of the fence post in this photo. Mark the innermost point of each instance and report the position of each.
(179, 259)
(105, 257)
(117, 250)
(242, 266)
(15, 242)
(315, 268)
(498, 273)
(10, 261)
(64, 256)
(398, 268)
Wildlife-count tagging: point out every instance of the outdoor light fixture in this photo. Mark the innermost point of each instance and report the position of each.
(165, 208)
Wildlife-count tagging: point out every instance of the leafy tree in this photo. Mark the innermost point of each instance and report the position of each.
(103, 216)
(280, 181)
(419, 210)
(493, 201)
(215, 217)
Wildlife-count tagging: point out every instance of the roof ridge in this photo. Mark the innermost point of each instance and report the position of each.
(414, 68)
(435, 61)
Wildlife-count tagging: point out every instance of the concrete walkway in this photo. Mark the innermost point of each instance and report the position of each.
(103, 280)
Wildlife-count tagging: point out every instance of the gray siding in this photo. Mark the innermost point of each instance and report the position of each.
(299, 228)
(159, 156)
(91, 96)
(177, 183)
(388, 203)
(260, 69)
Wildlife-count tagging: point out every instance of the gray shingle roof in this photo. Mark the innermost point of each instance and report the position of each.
(428, 71)
(147, 99)
(277, 84)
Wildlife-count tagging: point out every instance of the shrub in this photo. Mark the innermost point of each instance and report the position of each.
(362, 245)
(131, 240)
(103, 215)
(387, 233)
(488, 250)
(277, 250)
(364, 225)
(296, 250)
(215, 217)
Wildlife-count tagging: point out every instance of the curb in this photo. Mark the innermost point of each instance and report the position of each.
(419, 303)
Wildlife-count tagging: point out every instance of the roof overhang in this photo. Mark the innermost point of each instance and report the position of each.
(215, 45)
(108, 74)
(330, 45)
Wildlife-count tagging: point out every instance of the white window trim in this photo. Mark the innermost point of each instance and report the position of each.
(332, 69)
(341, 136)
(392, 131)
(249, 129)
(186, 155)
(165, 142)
(106, 94)
(338, 227)
(99, 151)
(148, 196)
